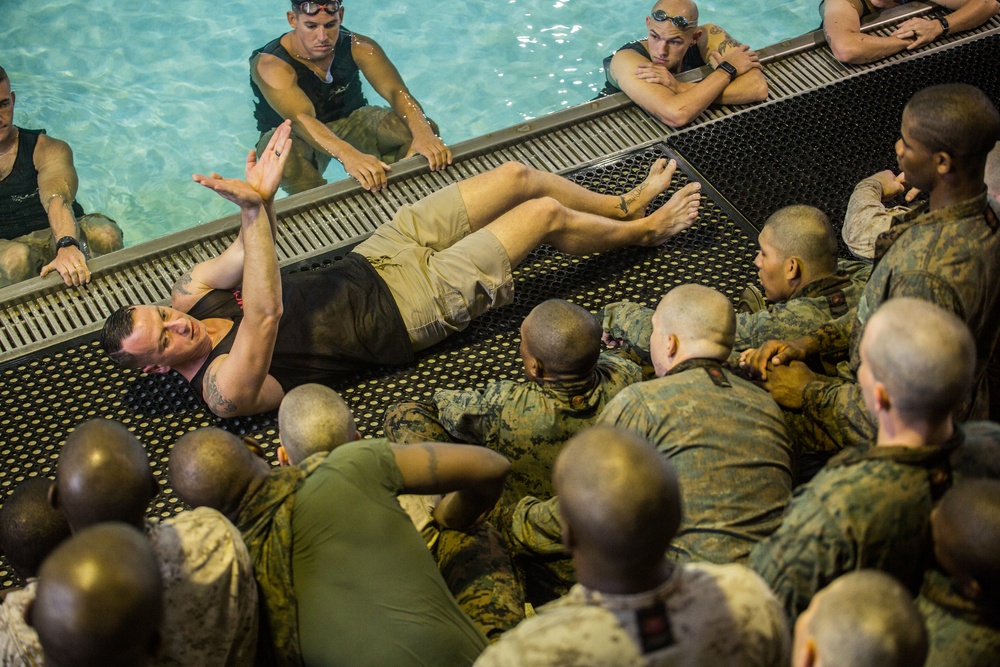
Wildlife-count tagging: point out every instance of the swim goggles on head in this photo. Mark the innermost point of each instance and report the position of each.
(682, 23)
(331, 7)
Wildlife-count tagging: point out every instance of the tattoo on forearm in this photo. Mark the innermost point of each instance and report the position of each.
(432, 463)
(625, 201)
(213, 396)
(727, 43)
(181, 286)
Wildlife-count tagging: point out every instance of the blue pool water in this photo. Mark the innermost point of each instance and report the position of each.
(149, 93)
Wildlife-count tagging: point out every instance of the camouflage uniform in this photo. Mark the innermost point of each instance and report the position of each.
(525, 421)
(869, 508)
(961, 633)
(712, 615)
(866, 218)
(809, 308)
(19, 645)
(726, 438)
(950, 257)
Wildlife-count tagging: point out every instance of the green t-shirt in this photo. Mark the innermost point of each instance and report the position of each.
(368, 590)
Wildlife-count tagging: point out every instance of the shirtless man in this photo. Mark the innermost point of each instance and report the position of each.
(440, 263)
(842, 25)
(312, 76)
(645, 69)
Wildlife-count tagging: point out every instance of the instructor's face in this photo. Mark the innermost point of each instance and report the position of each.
(316, 34)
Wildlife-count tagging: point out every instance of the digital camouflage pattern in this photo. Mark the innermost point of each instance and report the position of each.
(726, 439)
(534, 536)
(869, 508)
(866, 218)
(717, 615)
(950, 257)
(527, 422)
(811, 307)
(961, 633)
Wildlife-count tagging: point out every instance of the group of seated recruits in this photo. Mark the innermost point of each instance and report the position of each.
(311, 76)
(690, 518)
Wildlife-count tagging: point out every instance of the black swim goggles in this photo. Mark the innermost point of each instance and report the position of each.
(331, 7)
(679, 21)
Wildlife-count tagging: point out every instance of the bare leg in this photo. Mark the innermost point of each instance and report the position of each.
(489, 196)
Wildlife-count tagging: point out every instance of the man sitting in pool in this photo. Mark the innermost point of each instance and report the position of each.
(645, 69)
(42, 227)
(842, 25)
(311, 76)
(440, 263)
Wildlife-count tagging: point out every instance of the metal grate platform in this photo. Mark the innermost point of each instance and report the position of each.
(825, 127)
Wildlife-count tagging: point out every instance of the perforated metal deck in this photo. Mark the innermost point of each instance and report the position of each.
(801, 147)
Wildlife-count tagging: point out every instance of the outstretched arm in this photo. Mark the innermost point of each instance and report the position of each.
(57, 183)
(385, 79)
(238, 383)
(472, 476)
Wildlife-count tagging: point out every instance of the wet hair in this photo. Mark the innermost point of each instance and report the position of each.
(30, 528)
(99, 600)
(211, 468)
(971, 513)
(957, 119)
(923, 354)
(867, 619)
(3, 75)
(565, 337)
(619, 497)
(103, 474)
(804, 232)
(312, 419)
(117, 328)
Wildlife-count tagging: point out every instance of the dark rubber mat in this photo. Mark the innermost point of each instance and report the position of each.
(43, 398)
(813, 149)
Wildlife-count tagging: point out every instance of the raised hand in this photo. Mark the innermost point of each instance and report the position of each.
(263, 171)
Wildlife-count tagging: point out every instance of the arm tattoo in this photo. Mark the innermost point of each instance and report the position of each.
(714, 30)
(727, 43)
(214, 397)
(432, 464)
(181, 286)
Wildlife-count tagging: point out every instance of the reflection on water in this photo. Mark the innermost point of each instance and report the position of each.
(147, 94)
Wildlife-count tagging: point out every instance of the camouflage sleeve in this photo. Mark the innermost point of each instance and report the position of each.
(471, 416)
(628, 413)
(834, 337)
(929, 287)
(807, 552)
(632, 324)
(866, 218)
(534, 528)
(837, 416)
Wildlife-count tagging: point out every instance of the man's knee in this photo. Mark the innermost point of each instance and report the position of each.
(414, 421)
(15, 263)
(103, 235)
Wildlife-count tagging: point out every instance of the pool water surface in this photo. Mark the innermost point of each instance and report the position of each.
(149, 93)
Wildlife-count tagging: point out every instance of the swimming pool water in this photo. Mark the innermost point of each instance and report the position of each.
(149, 93)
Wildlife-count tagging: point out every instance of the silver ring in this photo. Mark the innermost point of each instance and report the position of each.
(277, 152)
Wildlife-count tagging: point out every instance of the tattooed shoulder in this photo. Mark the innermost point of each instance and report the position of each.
(727, 43)
(181, 286)
(221, 405)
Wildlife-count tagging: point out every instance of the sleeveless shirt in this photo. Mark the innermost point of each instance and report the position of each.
(692, 60)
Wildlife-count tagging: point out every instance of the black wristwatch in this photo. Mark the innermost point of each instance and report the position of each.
(67, 241)
(944, 25)
(728, 68)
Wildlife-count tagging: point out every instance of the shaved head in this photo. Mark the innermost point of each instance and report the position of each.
(100, 600)
(618, 496)
(30, 528)
(864, 619)
(804, 232)
(992, 175)
(313, 418)
(924, 355)
(684, 8)
(563, 337)
(211, 468)
(103, 474)
(957, 119)
(966, 528)
(701, 320)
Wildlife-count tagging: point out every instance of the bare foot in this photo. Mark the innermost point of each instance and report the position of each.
(632, 205)
(679, 213)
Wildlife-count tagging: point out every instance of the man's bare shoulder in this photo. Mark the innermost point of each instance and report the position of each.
(50, 148)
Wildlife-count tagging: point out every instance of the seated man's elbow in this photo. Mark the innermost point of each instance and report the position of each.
(758, 92)
(849, 52)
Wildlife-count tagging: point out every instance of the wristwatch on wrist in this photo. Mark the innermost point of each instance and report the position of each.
(728, 68)
(944, 25)
(67, 241)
